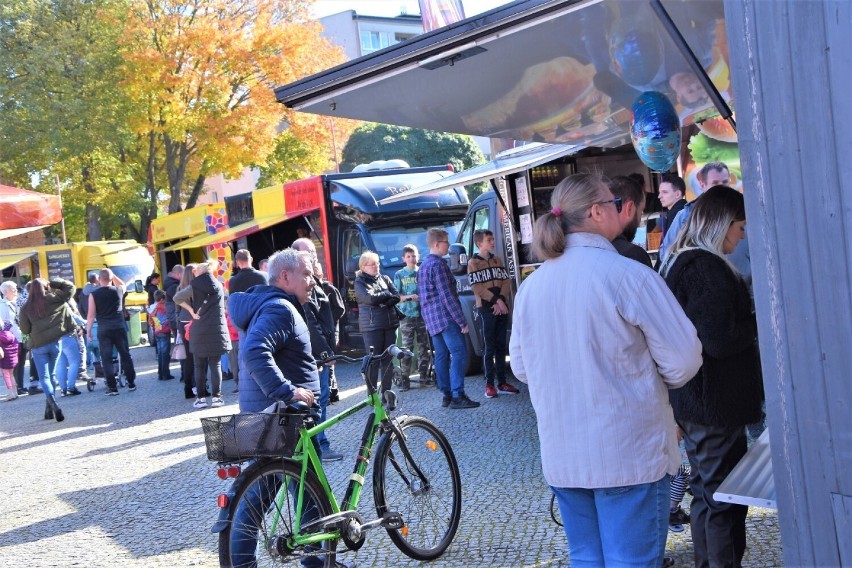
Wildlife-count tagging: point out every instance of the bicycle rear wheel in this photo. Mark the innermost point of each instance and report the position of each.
(418, 477)
(261, 519)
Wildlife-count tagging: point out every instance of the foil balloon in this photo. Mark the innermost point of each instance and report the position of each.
(655, 131)
(636, 52)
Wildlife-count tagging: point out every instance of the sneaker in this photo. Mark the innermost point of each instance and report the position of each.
(217, 401)
(200, 403)
(678, 517)
(490, 391)
(676, 528)
(63, 393)
(330, 455)
(112, 392)
(74, 392)
(506, 388)
(131, 388)
(236, 390)
(23, 392)
(463, 402)
(34, 390)
(446, 401)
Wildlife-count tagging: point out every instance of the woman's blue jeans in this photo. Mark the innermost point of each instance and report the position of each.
(69, 362)
(616, 526)
(450, 360)
(44, 358)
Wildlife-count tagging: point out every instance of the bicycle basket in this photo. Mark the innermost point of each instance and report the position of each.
(244, 436)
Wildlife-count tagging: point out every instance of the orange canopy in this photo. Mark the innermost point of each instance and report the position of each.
(21, 209)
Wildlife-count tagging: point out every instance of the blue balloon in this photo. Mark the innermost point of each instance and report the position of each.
(655, 131)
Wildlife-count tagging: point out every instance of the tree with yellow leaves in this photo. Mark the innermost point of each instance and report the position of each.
(201, 75)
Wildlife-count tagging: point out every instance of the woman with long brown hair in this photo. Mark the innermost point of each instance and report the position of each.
(46, 317)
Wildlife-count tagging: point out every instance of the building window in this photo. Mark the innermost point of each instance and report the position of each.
(402, 37)
(374, 40)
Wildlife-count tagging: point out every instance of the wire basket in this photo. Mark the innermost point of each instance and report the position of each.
(240, 437)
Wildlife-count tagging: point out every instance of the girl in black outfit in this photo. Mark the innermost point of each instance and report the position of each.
(726, 394)
(377, 319)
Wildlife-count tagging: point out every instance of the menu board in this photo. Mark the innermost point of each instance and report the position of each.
(60, 264)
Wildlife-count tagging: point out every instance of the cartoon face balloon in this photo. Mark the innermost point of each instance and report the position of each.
(655, 131)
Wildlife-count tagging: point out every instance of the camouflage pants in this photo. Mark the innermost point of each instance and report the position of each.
(411, 329)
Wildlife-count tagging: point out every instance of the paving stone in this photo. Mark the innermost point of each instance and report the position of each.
(124, 481)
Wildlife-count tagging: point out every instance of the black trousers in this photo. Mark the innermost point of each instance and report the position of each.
(22, 361)
(718, 529)
(117, 338)
(379, 340)
(187, 366)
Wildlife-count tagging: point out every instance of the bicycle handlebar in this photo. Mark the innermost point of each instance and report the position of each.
(391, 351)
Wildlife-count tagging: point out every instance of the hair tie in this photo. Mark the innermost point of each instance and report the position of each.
(556, 211)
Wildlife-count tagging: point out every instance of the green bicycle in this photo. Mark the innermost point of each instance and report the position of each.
(281, 510)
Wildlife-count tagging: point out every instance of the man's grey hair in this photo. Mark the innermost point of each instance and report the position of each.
(6, 286)
(306, 245)
(177, 271)
(287, 260)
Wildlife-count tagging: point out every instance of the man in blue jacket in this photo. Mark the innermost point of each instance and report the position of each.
(276, 365)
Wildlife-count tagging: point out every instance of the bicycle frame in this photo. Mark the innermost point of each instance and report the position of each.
(306, 455)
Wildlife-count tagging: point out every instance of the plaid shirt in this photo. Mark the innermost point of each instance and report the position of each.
(439, 297)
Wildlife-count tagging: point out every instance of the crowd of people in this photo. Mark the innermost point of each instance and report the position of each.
(628, 364)
(655, 353)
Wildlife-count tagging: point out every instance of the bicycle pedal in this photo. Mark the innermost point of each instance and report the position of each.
(392, 520)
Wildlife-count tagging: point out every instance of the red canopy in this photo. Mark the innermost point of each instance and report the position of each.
(21, 209)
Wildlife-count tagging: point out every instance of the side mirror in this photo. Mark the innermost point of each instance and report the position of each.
(138, 287)
(458, 259)
(351, 267)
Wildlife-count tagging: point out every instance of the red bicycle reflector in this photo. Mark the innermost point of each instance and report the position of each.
(233, 471)
(222, 501)
(222, 473)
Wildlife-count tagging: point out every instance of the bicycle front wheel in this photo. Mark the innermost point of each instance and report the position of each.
(262, 514)
(417, 476)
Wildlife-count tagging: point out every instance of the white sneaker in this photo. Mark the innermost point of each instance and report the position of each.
(200, 403)
(217, 401)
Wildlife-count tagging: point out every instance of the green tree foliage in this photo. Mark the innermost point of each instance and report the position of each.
(370, 142)
(62, 109)
(133, 103)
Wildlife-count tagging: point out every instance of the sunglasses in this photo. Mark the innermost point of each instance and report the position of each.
(617, 201)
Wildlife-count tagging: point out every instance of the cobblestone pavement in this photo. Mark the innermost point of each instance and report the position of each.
(124, 481)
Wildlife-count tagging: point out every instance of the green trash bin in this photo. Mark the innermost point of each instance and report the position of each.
(134, 331)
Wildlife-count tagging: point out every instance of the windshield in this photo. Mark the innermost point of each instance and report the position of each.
(389, 241)
(129, 274)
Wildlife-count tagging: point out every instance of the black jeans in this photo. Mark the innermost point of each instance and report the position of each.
(494, 349)
(22, 361)
(379, 340)
(201, 366)
(107, 339)
(718, 529)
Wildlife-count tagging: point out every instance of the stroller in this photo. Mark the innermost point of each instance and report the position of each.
(99, 370)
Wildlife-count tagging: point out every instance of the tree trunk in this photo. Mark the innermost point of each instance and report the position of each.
(196, 191)
(177, 156)
(93, 225)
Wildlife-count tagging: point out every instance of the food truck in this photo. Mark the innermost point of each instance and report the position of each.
(341, 213)
(566, 71)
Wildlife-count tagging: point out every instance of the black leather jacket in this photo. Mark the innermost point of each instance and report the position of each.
(376, 296)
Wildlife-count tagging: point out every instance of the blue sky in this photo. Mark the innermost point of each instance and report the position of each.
(393, 7)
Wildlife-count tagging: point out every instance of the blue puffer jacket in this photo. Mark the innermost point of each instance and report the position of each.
(275, 347)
